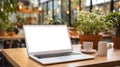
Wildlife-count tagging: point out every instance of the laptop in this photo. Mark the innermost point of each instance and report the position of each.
(49, 44)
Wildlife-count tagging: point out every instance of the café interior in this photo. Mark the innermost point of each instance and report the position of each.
(95, 15)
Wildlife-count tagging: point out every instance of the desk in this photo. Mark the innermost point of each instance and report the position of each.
(19, 58)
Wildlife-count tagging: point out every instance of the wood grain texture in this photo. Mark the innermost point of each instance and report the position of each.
(19, 58)
(19, 36)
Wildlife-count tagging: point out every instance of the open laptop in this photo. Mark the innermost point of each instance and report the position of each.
(49, 44)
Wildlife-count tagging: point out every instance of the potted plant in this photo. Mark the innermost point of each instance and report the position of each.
(48, 20)
(3, 29)
(12, 30)
(90, 24)
(114, 18)
(7, 8)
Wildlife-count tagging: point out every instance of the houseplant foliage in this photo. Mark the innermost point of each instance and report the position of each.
(91, 24)
(48, 20)
(7, 8)
(114, 18)
(13, 28)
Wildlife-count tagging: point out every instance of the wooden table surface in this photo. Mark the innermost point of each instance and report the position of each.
(19, 58)
(19, 36)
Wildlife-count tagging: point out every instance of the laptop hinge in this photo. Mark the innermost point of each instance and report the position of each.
(50, 52)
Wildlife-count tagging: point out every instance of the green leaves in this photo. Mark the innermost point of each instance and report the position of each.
(91, 23)
(114, 18)
(48, 20)
(4, 26)
(7, 7)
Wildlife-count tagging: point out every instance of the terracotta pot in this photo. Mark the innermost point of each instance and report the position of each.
(91, 38)
(4, 33)
(116, 41)
(74, 33)
(12, 33)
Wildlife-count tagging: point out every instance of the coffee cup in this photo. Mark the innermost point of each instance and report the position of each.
(87, 46)
(103, 48)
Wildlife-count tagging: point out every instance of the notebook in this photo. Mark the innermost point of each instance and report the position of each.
(50, 44)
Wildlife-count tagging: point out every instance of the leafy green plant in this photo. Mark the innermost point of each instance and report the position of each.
(20, 18)
(7, 7)
(4, 26)
(91, 23)
(13, 28)
(48, 20)
(114, 18)
(59, 21)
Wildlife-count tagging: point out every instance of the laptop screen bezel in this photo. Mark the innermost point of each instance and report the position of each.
(47, 52)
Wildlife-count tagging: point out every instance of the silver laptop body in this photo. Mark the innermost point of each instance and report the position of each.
(51, 40)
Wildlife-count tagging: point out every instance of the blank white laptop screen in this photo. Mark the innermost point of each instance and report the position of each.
(40, 38)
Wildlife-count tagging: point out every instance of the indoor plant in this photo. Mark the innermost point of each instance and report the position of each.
(7, 8)
(3, 28)
(12, 30)
(48, 20)
(114, 18)
(91, 24)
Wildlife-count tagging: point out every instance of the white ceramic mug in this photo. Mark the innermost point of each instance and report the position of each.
(103, 48)
(87, 45)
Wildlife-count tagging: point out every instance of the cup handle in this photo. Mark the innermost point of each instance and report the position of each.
(81, 46)
(110, 46)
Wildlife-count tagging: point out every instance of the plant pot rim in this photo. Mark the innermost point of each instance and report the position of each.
(90, 35)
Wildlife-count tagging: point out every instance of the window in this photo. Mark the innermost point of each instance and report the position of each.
(50, 11)
(57, 9)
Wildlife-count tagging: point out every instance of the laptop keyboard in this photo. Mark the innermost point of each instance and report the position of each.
(56, 55)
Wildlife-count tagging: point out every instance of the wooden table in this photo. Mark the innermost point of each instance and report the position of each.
(12, 40)
(19, 36)
(19, 58)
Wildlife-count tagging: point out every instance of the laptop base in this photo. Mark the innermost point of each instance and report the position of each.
(54, 60)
